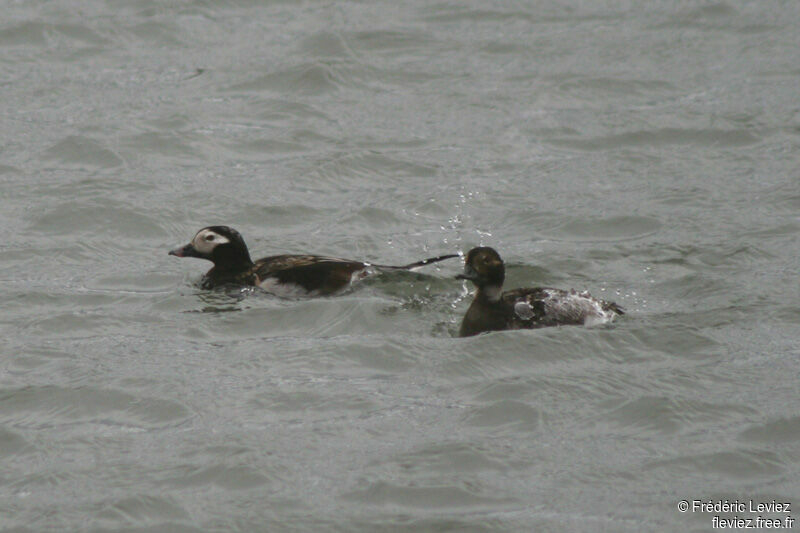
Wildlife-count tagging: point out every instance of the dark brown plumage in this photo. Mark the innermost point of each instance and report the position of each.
(494, 310)
(283, 275)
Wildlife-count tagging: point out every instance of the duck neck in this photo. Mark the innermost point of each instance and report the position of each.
(489, 293)
(232, 261)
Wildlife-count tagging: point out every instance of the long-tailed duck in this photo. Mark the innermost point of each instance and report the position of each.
(282, 275)
(493, 310)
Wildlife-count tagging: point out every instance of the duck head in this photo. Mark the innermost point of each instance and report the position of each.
(484, 268)
(221, 245)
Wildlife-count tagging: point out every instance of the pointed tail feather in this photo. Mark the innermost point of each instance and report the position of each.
(417, 264)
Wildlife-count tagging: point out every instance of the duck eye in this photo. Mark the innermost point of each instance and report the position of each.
(209, 237)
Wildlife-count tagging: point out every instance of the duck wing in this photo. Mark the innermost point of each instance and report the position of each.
(546, 306)
(313, 274)
(526, 306)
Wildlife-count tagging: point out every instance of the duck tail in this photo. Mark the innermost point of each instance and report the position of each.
(612, 306)
(417, 264)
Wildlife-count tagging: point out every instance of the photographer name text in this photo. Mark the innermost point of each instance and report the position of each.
(737, 507)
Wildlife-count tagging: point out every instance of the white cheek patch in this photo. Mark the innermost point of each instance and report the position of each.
(202, 243)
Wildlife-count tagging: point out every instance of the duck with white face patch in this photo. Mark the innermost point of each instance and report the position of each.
(283, 275)
(495, 310)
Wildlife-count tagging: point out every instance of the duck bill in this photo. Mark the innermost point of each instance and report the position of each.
(469, 273)
(184, 251)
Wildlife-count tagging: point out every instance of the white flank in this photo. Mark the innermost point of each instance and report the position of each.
(577, 306)
(523, 310)
(285, 290)
(293, 290)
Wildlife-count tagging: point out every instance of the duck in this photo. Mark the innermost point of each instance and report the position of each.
(287, 275)
(526, 308)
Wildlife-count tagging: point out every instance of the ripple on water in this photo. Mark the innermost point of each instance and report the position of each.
(505, 415)
(98, 218)
(136, 283)
(405, 523)
(393, 41)
(24, 34)
(11, 443)
(288, 113)
(76, 151)
(141, 509)
(671, 414)
(716, 17)
(264, 149)
(309, 405)
(234, 477)
(170, 145)
(594, 87)
(310, 79)
(662, 137)
(466, 13)
(97, 322)
(316, 317)
(778, 431)
(326, 44)
(789, 314)
(43, 35)
(504, 354)
(346, 171)
(438, 497)
(164, 33)
(694, 287)
(621, 228)
(740, 464)
(41, 407)
(681, 340)
(447, 458)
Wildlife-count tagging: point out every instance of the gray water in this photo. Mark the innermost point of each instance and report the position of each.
(645, 151)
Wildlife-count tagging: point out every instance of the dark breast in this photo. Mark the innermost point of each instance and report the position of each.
(486, 316)
(214, 278)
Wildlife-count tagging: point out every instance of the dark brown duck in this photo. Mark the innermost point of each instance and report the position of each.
(494, 310)
(282, 275)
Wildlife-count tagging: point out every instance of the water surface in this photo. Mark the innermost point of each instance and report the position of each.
(648, 154)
